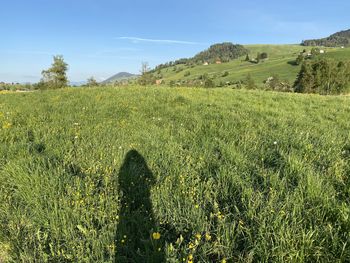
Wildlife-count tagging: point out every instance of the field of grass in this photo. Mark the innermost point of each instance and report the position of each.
(174, 175)
(280, 62)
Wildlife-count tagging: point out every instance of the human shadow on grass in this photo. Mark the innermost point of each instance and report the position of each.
(137, 238)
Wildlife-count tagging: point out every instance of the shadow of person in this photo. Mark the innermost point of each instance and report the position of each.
(137, 239)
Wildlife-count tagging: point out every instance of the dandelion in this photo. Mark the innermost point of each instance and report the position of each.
(223, 261)
(198, 236)
(207, 237)
(191, 245)
(219, 215)
(7, 125)
(156, 235)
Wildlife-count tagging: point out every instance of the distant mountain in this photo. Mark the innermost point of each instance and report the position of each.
(77, 83)
(338, 39)
(119, 76)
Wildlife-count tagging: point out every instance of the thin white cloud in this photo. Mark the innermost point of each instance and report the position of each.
(26, 52)
(160, 41)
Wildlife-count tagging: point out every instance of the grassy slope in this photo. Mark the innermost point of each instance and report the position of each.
(279, 56)
(241, 175)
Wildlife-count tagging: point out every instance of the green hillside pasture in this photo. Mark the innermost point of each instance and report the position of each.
(275, 50)
(176, 174)
(239, 69)
(339, 54)
(280, 62)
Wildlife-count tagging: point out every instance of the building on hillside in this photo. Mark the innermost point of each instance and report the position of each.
(159, 81)
(322, 51)
(218, 62)
(205, 63)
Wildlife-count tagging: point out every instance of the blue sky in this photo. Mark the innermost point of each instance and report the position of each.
(102, 37)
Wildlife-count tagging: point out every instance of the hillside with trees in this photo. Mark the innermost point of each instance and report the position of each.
(222, 52)
(267, 67)
(338, 39)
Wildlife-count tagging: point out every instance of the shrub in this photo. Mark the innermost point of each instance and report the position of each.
(249, 82)
(225, 74)
(263, 55)
(274, 83)
(209, 83)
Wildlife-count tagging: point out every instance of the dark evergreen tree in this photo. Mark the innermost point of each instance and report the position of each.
(323, 76)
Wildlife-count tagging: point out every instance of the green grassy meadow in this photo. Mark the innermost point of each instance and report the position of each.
(280, 62)
(174, 175)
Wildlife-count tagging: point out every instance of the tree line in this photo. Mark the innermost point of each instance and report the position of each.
(223, 52)
(338, 39)
(317, 75)
(323, 76)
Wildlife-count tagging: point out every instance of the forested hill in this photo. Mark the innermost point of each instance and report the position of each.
(223, 52)
(338, 39)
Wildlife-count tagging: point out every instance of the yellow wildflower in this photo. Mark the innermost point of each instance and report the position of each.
(219, 215)
(7, 125)
(207, 236)
(156, 235)
(198, 236)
